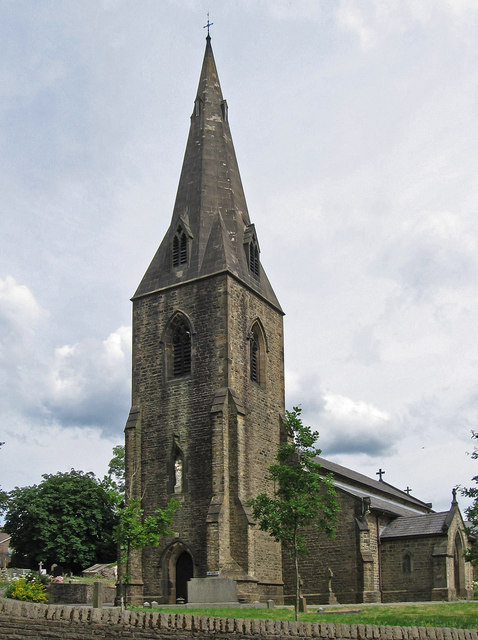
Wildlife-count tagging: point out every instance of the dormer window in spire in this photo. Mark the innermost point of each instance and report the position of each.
(224, 109)
(251, 247)
(180, 247)
(254, 258)
(197, 107)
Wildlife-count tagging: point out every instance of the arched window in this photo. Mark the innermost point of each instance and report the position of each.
(257, 355)
(254, 346)
(181, 347)
(407, 563)
(180, 247)
(251, 247)
(254, 258)
(177, 341)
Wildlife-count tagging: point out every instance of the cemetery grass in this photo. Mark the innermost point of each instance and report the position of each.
(458, 615)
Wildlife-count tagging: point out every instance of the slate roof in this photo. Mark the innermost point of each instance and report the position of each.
(430, 524)
(210, 203)
(383, 496)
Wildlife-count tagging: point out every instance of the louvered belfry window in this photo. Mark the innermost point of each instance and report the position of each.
(180, 247)
(181, 339)
(254, 345)
(254, 258)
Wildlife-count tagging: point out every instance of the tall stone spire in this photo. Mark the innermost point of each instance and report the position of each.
(210, 207)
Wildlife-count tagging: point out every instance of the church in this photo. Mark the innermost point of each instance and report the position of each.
(207, 411)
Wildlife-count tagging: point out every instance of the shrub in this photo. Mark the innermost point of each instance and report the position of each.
(29, 589)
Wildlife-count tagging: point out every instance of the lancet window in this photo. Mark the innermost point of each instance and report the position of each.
(179, 347)
(180, 247)
(251, 248)
(257, 355)
(254, 258)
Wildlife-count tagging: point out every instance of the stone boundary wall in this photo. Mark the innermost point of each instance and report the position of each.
(78, 593)
(26, 620)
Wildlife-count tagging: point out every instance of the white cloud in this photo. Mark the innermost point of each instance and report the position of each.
(89, 382)
(32, 449)
(18, 307)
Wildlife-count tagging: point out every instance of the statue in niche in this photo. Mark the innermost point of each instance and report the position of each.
(178, 475)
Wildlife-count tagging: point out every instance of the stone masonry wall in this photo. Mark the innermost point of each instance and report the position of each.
(340, 554)
(226, 444)
(415, 585)
(263, 404)
(22, 620)
(176, 411)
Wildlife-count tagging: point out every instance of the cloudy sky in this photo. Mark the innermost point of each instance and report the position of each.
(356, 130)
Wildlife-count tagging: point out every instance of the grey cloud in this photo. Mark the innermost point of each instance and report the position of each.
(424, 263)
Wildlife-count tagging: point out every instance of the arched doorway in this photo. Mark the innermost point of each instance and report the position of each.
(184, 571)
(177, 568)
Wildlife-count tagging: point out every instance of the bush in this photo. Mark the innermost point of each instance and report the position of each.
(30, 589)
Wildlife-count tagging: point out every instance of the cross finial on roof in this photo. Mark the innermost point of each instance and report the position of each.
(380, 473)
(209, 24)
(407, 490)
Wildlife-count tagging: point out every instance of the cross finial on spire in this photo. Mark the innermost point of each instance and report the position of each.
(209, 24)
(380, 473)
(408, 490)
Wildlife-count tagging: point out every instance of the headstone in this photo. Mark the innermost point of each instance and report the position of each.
(302, 604)
(212, 590)
(98, 595)
(270, 604)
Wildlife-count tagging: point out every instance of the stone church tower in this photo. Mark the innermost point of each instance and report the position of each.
(208, 376)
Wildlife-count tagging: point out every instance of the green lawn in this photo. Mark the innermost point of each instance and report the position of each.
(459, 615)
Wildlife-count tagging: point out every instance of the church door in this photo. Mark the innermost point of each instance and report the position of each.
(184, 571)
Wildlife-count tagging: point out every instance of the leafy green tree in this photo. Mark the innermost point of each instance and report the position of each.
(67, 519)
(116, 469)
(135, 531)
(472, 510)
(301, 497)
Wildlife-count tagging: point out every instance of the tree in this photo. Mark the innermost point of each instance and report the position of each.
(301, 496)
(67, 519)
(133, 530)
(472, 510)
(116, 468)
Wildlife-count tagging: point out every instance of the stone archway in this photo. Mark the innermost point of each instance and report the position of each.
(178, 568)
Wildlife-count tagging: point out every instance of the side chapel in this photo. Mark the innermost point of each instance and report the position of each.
(208, 403)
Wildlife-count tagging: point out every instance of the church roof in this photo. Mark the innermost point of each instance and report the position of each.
(210, 204)
(429, 524)
(384, 497)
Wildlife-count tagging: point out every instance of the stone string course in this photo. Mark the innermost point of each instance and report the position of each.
(19, 620)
